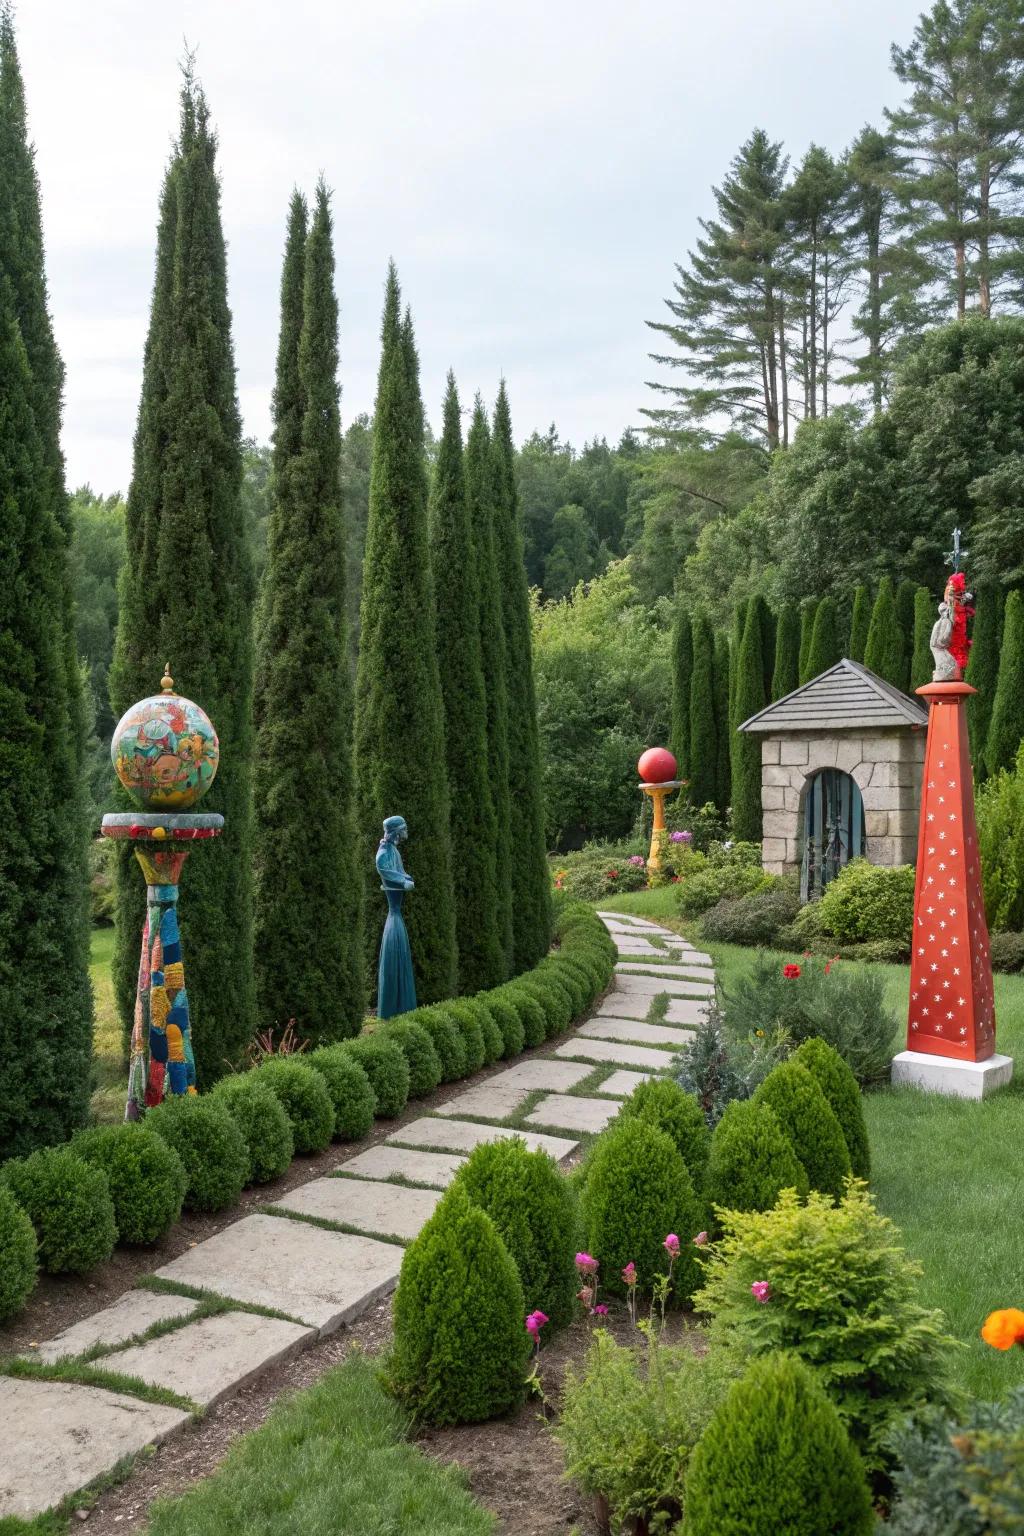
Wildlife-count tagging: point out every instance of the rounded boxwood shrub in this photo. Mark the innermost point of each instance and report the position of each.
(146, 1178)
(553, 1000)
(581, 963)
(775, 1457)
(305, 1098)
(18, 1255)
(508, 1021)
(460, 1344)
(418, 1048)
(447, 1038)
(572, 984)
(494, 1044)
(868, 901)
(352, 1097)
(68, 1203)
(638, 1190)
(806, 1117)
(751, 1160)
(534, 1210)
(839, 1086)
(663, 1103)
(1006, 951)
(468, 1019)
(530, 1010)
(386, 1067)
(261, 1117)
(212, 1149)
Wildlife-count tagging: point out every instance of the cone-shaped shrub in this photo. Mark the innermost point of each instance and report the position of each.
(786, 671)
(18, 1250)
(838, 1084)
(68, 1203)
(775, 1457)
(746, 749)
(825, 647)
(922, 662)
(723, 789)
(1006, 727)
(682, 670)
(418, 1050)
(447, 1038)
(752, 1160)
(385, 1065)
(534, 1209)
(884, 652)
(702, 735)
(807, 1118)
(986, 631)
(146, 1178)
(905, 618)
(808, 611)
(305, 1099)
(859, 624)
(638, 1191)
(260, 1116)
(203, 1133)
(663, 1103)
(461, 1344)
(352, 1098)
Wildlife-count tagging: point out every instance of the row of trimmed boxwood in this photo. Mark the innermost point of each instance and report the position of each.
(64, 1208)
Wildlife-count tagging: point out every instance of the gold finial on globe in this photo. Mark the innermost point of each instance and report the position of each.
(167, 681)
(165, 750)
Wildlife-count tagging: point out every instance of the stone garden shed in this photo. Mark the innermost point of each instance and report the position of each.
(841, 764)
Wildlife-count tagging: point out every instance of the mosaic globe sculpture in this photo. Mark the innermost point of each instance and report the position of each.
(165, 751)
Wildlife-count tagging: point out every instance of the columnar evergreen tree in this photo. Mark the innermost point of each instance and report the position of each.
(825, 648)
(768, 626)
(905, 594)
(739, 619)
(186, 587)
(750, 697)
(883, 653)
(481, 491)
(309, 956)
(786, 671)
(859, 624)
(703, 732)
(457, 602)
(399, 714)
(982, 668)
(922, 663)
(682, 671)
(808, 612)
(45, 1020)
(1006, 727)
(723, 792)
(531, 882)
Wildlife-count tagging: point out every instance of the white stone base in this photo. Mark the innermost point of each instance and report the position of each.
(943, 1074)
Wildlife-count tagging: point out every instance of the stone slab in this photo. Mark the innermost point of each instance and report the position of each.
(636, 1032)
(209, 1359)
(57, 1437)
(631, 946)
(501, 1095)
(624, 917)
(383, 1162)
(133, 1313)
(614, 925)
(322, 1278)
(697, 985)
(464, 1135)
(958, 1079)
(380, 1208)
(621, 1084)
(698, 970)
(617, 1052)
(573, 1114)
(623, 1005)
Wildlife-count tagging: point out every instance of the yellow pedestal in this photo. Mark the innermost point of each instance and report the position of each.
(658, 793)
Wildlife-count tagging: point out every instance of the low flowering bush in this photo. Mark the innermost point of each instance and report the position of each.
(601, 869)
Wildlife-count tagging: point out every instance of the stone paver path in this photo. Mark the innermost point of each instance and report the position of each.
(383, 1162)
(573, 1114)
(131, 1314)
(217, 1355)
(388, 1209)
(464, 1135)
(636, 1032)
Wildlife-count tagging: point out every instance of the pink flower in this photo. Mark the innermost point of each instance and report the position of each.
(682, 837)
(586, 1264)
(534, 1323)
(636, 859)
(599, 1311)
(629, 1273)
(671, 1246)
(761, 1290)
(700, 1240)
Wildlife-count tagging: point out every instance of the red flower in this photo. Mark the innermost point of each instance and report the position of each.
(790, 971)
(613, 874)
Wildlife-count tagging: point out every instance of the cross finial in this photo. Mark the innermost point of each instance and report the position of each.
(957, 553)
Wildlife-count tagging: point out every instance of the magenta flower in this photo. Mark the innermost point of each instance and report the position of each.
(586, 1264)
(671, 1246)
(700, 1240)
(636, 859)
(600, 1310)
(629, 1273)
(761, 1290)
(534, 1323)
(682, 837)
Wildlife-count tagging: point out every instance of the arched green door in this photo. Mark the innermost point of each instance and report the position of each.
(833, 829)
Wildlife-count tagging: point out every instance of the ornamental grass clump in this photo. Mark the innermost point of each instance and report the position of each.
(663, 1103)
(839, 1086)
(18, 1255)
(751, 1160)
(418, 1049)
(146, 1178)
(305, 1099)
(461, 1345)
(260, 1116)
(68, 1203)
(842, 1295)
(808, 1120)
(775, 1458)
(352, 1097)
(534, 1210)
(212, 1149)
(386, 1067)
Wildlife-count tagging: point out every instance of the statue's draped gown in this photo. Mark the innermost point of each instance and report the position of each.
(396, 989)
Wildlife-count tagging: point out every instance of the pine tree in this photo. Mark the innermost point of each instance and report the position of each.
(883, 653)
(1006, 727)
(481, 491)
(859, 624)
(723, 780)
(457, 603)
(905, 595)
(531, 882)
(982, 668)
(702, 725)
(682, 671)
(309, 958)
(825, 648)
(786, 671)
(808, 612)
(399, 713)
(922, 663)
(186, 588)
(746, 762)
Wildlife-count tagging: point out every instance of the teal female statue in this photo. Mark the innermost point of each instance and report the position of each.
(396, 989)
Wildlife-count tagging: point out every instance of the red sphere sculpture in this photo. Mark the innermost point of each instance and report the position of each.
(657, 766)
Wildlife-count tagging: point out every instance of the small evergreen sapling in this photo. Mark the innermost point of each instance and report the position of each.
(807, 1119)
(840, 1088)
(663, 1103)
(752, 1160)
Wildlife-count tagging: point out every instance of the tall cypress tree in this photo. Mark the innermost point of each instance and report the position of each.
(723, 791)
(808, 613)
(399, 714)
(308, 893)
(905, 596)
(703, 733)
(45, 1017)
(739, 619)
(786, 671)
(457, 600)
(481, 491)
(1006, 727)
(922, 663)
(682, 671)
(746, 763)
(859, 624)
(982, 668)
(825, 648)
(883, 653)
(768, 628)
(186, 587)
(531, 883)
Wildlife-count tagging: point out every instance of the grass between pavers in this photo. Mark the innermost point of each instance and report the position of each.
(165, 1287)
(325, 1222)
(392, 1178)
(76, 1373)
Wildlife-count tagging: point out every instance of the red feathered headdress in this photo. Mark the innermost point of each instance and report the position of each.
(959, 611)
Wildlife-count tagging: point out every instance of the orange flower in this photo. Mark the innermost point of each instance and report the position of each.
(1004, 1329)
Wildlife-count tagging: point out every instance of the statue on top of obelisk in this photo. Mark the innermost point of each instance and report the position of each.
(949, 643)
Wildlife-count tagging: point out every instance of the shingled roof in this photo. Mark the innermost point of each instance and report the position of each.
(846, 697)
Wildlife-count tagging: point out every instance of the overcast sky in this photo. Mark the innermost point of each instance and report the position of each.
(535, 167)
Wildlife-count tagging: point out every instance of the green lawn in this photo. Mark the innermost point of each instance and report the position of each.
(109, 1077)
(948, 1172)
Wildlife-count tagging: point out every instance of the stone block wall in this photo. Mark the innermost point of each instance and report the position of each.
(887, 767)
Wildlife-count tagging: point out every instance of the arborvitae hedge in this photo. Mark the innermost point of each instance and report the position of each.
(884, 652)
(922, 663)
(682, 671)
(808, 613)
(723, 792)
(986, 630)
(1006, 727)
(746, 755)
(186, 590)
(825, 647)
(786, 671)
(768, 641)
(905, 595)
(702, 735)
(859, 624)
(399, 716)
(310, 964)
